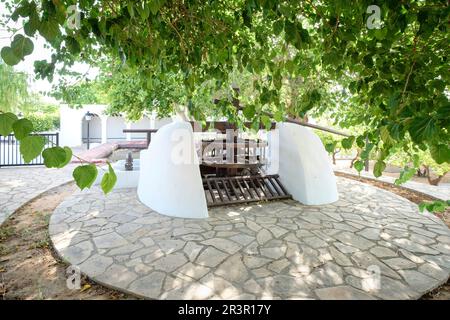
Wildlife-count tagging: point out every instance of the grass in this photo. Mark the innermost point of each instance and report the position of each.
(42, 243)
(4, 250)
(6, 232)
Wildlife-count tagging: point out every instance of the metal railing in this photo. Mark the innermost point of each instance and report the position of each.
(10, 150)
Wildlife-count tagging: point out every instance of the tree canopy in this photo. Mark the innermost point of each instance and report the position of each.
(385, 62)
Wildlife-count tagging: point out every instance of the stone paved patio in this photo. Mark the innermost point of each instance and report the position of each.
(261, 251)
(20, 185)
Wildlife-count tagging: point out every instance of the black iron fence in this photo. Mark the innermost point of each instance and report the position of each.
(10, 150)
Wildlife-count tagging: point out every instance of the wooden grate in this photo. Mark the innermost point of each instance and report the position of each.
(220, 191)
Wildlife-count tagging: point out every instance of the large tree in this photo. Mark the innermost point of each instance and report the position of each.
(389, 58)
(14, 92)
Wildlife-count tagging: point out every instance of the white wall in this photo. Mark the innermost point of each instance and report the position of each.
(144, 123)
(102, 128)
(158, 123)
(170, 181)
(95, 129)
(71, 122)
(115, 127)
(304, 166)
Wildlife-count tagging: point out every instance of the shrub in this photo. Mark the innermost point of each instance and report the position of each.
(43, 122)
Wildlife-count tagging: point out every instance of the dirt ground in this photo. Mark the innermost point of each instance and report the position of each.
(30, 269)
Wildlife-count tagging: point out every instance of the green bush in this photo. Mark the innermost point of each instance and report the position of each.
(43, 123)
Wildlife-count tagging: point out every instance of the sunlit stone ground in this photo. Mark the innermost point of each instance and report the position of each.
(371, 244)
(19, 185)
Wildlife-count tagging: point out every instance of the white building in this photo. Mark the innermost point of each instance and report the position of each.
(102, 127)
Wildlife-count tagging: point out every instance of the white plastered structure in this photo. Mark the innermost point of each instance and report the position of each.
(170, 181)
(303, 165)
(103, 127)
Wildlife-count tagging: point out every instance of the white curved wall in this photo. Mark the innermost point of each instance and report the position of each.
(304, 166)
(170, 181)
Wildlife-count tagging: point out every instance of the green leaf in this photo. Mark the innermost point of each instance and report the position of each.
(22, 128)
(368, 61)
(278, 116)
(422, 129)
(422, 206)
(31, 147)
(33, 22)
(68, 157)
(330, 147)
(155, 5)
(359, 165)
(54, 157)
(72, 45)
(347, 143)
(379, 168)
(249, 111)
(436, 206)
(440, 153)
(380, 34)
(31, 26)
(130, 9)
(22, 46)
(85, 175)
(395, 131)
(9, 57)
(360, 142)
(109, 180)
(266, 121)
(366, 152)
(49, 29)
(405, 175)
(385, 135)
(416, 160)
(6, 123)
(144, 11)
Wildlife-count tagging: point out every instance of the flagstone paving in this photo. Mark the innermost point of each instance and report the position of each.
(371, 244)
(20, 185)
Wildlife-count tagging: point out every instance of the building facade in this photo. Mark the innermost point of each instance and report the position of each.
(76, 129)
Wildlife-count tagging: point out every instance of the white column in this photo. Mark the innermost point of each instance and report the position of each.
(104, 128)
(128, 134)
(153, 120)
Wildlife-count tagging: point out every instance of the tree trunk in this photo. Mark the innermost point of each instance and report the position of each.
(354, 159)
(421, 173)
(336, 151)
(426, 171)
(436, 181)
